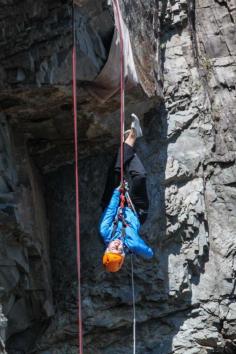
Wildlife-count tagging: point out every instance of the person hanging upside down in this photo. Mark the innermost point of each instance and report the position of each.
(120, 228)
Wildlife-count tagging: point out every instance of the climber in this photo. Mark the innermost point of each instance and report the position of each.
(120, 227)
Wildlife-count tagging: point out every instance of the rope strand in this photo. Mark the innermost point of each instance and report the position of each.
(134, 308)
(122, 123)
(122, 90)
(80, 330)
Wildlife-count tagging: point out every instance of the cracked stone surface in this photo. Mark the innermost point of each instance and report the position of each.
(185, 57)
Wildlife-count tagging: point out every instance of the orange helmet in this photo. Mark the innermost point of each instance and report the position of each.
(113, 261)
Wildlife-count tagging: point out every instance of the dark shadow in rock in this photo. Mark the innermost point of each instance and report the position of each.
(152, 329)
(25, 341)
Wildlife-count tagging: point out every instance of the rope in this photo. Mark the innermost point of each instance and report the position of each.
(134, 309)
(80, 330)
(122, 123)
(122, 90)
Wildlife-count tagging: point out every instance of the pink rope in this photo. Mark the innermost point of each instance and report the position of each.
(122, 90)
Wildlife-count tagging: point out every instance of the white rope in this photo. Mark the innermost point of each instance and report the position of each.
(134, 308)
(123, 99)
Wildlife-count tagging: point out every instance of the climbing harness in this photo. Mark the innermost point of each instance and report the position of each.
(80, 329)
(120, 213)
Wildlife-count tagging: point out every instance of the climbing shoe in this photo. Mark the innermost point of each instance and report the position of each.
(136, 125)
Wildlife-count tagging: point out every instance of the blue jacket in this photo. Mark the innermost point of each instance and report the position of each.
(132, 240)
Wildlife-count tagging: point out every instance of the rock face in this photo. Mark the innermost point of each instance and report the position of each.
(185, 56)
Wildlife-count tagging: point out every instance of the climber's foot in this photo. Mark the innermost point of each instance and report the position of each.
(136, 125)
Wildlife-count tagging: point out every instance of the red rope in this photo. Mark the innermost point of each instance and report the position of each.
(80, 329)
(122, 91)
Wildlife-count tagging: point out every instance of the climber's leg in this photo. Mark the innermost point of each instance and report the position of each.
(138, 175)
(113, 177)
(137, 172)
(138, 192)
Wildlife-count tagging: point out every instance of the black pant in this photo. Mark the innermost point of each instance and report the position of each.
(137, 173)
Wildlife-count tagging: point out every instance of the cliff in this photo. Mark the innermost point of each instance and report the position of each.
(184, 53)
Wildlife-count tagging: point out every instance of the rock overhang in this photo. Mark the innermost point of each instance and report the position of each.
(39, 106)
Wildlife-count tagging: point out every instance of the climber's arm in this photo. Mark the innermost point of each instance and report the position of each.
(109, 215)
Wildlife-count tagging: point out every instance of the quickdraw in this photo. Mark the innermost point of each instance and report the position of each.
(126, 197)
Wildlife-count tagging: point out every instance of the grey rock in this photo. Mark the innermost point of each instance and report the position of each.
(184, 52)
